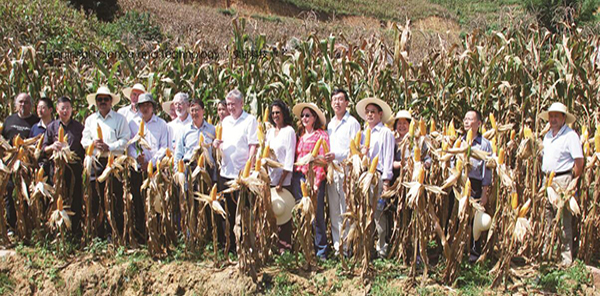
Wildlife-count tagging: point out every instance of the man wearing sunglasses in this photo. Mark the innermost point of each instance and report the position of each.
(115, 134)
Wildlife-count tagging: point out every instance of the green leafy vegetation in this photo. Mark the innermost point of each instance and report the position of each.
(563, 281)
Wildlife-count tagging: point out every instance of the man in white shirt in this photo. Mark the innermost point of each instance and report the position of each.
(115, 135)
(341, 129)
(132, 93)
(156, 133)
(177, 126)
(562, 155)
(239, 144)
(375, 111)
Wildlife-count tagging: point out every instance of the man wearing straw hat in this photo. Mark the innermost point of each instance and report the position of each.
(115, 135)
(156, 134)
(238, 145)
(562, 155)
(341, 129)
(375, 111)
(132, 93)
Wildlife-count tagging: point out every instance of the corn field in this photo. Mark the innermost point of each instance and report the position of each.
(510, 76)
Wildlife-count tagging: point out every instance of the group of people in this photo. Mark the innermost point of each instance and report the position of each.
(109, 132)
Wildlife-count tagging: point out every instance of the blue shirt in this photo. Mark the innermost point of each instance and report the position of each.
(37, 129)
(189, 140)
(478, 169)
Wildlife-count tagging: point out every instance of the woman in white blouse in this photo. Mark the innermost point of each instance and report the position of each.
(282, 140)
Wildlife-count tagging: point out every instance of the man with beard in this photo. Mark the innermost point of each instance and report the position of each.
(178, 125)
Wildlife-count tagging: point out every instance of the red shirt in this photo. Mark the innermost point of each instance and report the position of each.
(305, 146)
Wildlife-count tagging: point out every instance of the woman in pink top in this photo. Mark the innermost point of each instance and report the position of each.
(312, 122)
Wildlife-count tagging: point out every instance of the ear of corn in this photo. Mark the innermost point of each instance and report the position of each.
(260, 133)
(17, 141)
(550, 178)
(458, 143)
(201, 160)
(40, 175)
(411, 129)
(21, 154)
(368, 137)
(99, 131)
(417, 156)
(597, 140)
(357, 139)
(524, 209)
(168, 153)
(111, 160)
(142, 127)
(483, 130)
(201, 139)
(180, 166)
(514, 200)
(451, 130)
(213, 193)
(325, 147)
(432, 125)
(59, 203)
(258, 164)
(467, 191)
(266, 114)
(492, 120)
(527, 132)
(494, 147)
(374, 164)
(315, 150)
(470, 137)
(459, 165)
(421, 175)
(40, 142)
(353, 149)
(265, 152)
(150, 169)
(422, 127)
(219, 132)
(61, 134)
(246, 172)
(501, 156)
(304, 188)
(90, 149)
(513, 134)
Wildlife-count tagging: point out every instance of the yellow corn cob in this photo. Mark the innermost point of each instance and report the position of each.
(40, 175)
(265, 152)
(417, 156)
(513, 134)
(325, 147)
(444, 146)
(315, 150)
(524, 209)
(258, 164)
(1, 127)
(368, 137)
(411, 129)
(209, 120)
(21, 154)
(374, 165)
(550, 178)
(458, 143)
(451, 130)
(469, 137)
(168, 153)
(585, 134)
(260, 133)
(421, 175)
(61, 134)
(150, 169)
(467, 191)
(201, 139)
(59, 203)
(501, 156)
(459, 165)
(266, 114)
(213, 193)
(597, 140)
(17, 141)
(586, 148)
(99, 131)
(158, 165)
(246, 172)
(201, 160)
(304, 188)
(432, 125)
(111, 160)
(142, 126)
(357, 139)
(180, 166)
(90, 149)
(422, 127)
(40, 142)
(219, 132)
(353, 149)
(66, 138)
(492, 120)
(514, 200)
(527, 132)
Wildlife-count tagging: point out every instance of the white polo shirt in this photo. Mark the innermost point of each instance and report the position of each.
(341, 132)
(176, 129)
(560, 151)
(238, 135)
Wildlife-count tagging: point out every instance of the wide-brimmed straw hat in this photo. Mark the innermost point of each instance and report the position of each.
(103, 90)
(283, 203)
(297, 110)
(362, 105)
(166, 106)
(145, 98)
(481, 223)
(558, 107)
(138, 86)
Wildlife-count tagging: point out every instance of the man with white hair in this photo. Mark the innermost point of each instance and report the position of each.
(178, 125)
(238, 146)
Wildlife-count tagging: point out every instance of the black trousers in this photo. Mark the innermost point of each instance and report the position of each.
(9, 204)
(231, 202)
(73, 176)
(139, 213)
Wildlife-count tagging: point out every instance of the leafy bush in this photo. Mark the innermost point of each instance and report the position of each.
(550, 13)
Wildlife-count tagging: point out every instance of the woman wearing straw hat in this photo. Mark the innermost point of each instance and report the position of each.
(281, 138)
(311, 125)
(132, 93)
(562, 155)
(374, 112)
